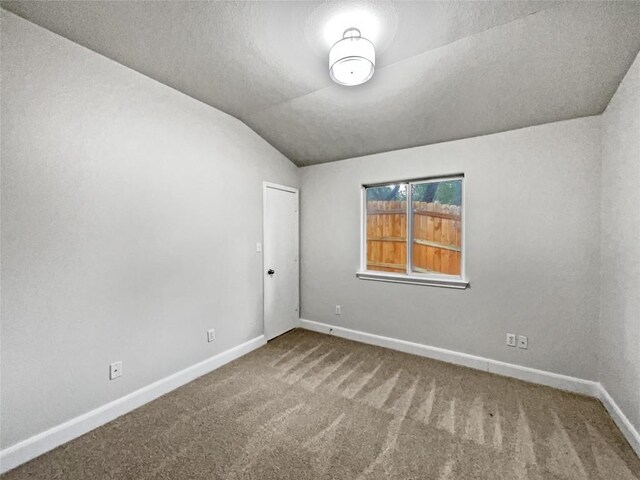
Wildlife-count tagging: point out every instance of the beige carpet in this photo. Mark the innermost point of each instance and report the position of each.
(310, 406)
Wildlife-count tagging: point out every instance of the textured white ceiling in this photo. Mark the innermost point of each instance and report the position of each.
(445, 70)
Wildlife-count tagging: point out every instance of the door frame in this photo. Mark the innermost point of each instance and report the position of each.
(296, 192)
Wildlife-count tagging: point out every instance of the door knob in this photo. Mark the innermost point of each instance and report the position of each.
(271, 271)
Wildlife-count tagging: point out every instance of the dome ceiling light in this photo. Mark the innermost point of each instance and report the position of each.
(352, 60)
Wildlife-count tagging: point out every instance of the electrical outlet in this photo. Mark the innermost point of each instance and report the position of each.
(211, 335)
(115, 370)
(258, 247)
(511, 339)
(338, 310)
(523, 342)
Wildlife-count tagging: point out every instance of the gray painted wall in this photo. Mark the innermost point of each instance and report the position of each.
(124, 237)
(130, 216)
(533, 241)
(619, 354)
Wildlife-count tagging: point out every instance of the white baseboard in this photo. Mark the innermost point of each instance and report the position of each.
(563, 382)
(41, 443)
(628, 430)
(541, 377)
(34, 446)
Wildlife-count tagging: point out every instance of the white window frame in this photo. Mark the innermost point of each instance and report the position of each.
(411, 277)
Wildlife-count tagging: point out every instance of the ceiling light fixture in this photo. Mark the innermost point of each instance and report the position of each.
(352, 60)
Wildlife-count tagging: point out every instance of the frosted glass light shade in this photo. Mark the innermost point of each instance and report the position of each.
(352, 60)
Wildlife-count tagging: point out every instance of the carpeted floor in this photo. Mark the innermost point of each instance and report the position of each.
(310, 406)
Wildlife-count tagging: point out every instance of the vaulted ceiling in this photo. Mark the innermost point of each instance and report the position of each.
(445, 70)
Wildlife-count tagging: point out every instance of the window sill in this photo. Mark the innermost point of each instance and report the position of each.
(431, 281)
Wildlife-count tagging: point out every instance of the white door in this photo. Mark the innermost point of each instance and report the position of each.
(280, 267)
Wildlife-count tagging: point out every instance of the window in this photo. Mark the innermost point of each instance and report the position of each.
(413, 232)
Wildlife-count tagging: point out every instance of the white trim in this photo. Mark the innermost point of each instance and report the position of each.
(411, 277)
(563, 382)
(277, 186)
(363, 228)
(41, 443)
(626, 427)
(409, 232)
(446, 281)
(541, 377)
(32, 447)
(296, 192)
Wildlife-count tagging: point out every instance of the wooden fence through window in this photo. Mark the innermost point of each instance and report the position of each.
(437, 237)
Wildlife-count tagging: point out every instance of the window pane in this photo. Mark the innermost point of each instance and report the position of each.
(387, 228)
(437, 227)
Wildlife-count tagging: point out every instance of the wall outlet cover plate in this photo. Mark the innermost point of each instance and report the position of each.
(523, 342)
(115, 370)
